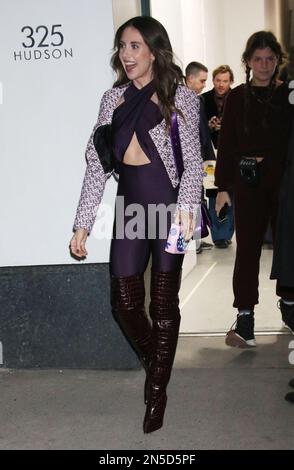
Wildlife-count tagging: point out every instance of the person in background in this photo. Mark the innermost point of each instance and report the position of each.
(222, 230)
(196, 77)
(214, 100)
(283, 255)
(290, 395)
(141, 108)
(251, 159)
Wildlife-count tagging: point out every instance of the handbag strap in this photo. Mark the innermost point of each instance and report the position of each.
(176, 144)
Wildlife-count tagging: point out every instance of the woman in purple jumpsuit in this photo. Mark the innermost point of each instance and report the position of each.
(139, 108)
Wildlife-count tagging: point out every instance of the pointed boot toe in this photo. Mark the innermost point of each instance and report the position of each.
(154, 415)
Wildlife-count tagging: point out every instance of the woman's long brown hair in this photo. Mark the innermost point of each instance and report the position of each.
(166, 74)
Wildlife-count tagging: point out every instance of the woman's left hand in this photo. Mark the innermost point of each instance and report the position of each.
(187, 222)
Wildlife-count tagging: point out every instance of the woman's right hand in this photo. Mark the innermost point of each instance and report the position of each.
(222, 198)
(78, 243)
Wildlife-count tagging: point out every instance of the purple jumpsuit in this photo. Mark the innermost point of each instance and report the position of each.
(143, 184)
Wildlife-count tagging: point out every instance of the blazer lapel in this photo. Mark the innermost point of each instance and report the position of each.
(162, 142)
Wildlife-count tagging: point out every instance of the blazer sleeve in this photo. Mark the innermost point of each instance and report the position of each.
(226, 161)
(94, 179)
(189, 196)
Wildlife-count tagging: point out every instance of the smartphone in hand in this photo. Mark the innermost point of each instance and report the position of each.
(223, 213)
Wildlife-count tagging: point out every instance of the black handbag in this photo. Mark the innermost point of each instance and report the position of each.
(249, 171)
(102, 140)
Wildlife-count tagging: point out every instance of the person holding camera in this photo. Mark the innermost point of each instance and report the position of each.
(214, 100)
(251, 158)
(222, 228)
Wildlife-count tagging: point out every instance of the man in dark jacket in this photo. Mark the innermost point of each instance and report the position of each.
(214, 102)
(196, 76)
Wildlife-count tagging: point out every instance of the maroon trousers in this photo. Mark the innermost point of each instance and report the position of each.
(255, 207)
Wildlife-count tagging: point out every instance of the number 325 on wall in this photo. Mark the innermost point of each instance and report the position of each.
(42, 33)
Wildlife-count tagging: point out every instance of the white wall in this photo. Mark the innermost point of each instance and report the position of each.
(210, 31)
(214, 27)
(274, 16)
(193, 31)
(123, 10)
(169, 13)
(48, 112)
(291, 38)
(243, 18)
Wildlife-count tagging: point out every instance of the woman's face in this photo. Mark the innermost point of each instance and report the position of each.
(136, 57)
(263, 64)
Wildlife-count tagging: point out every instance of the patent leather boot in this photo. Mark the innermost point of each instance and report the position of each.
(165, 314)
(128, 308)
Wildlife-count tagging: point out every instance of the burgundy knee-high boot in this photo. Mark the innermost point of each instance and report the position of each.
(165, 314)
(128, 308)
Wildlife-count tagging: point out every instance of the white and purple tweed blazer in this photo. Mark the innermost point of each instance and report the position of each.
(189, 196)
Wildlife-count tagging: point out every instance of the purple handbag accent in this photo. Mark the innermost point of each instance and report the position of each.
(177, 151)
(176, 243)
(176, 144)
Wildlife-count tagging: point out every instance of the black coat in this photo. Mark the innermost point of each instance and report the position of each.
(283, 258)
(211, 111)
(205, 139)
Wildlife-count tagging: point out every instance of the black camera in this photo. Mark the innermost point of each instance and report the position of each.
(249, 171)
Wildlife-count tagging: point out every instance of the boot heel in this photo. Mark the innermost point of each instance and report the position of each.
(146, 391)
(146, 364)
(154, 415)
(165, 316)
